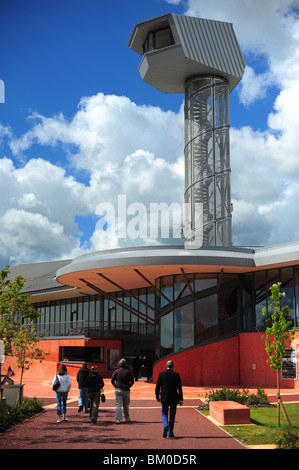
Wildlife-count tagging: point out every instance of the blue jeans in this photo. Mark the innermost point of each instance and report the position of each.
(61, 398)
(83, 398)
(171, 409)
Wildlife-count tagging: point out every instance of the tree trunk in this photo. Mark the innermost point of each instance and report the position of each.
(280, 404)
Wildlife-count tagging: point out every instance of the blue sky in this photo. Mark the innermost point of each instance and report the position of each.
(78, 126)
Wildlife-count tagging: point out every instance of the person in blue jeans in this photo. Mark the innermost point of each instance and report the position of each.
(83, 389)
(62, 392)
(169, 385)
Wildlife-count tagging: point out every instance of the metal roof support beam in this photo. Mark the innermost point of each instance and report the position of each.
(129, 294)
(220, 278)
(151, 284)
(118, 302)
(187, 280)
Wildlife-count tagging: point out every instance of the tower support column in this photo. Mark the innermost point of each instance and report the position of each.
(207, 158)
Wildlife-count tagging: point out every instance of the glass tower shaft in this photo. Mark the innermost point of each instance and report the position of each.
(207, 158)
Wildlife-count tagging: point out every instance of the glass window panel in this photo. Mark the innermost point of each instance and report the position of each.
(206, 318)
(134, 323)
(287, 286)
(184, 327)
(205, 281)
(80, 354)
(181, 286)
(272, 277)
(166, 289)
(227, 311)
(127, 315)
(151, 302)
(47, 313)
(248, 312)
(163, 38)
(92, 309)
(63, 311)
(166, 334)
(119, 314)
(80, 309)
(68, 310)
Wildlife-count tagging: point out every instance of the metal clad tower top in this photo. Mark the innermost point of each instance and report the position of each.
(200, 47)
(201, 58)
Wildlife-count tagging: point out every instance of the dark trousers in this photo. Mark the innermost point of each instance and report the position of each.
(94, 398)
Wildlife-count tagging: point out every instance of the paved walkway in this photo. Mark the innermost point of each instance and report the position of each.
(193, 431)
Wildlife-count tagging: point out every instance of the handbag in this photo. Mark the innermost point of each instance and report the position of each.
(103, 398)
(56, 384)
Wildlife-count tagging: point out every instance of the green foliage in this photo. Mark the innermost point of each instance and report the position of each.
(287, 440)
(243, 397)
(277, 334)
(14, 414)
(15, 308)
(17, 322)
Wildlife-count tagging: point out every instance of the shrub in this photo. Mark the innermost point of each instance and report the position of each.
(243, 397)
(287, 440)
(14, 414)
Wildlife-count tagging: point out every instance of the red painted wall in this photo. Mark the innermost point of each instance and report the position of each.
(240, 360)
(211, 364)
(254, 369)
(47, 368)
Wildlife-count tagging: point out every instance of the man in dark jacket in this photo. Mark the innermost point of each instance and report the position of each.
(169, 383)
(122, 379)
(136, 366)
(83, 390)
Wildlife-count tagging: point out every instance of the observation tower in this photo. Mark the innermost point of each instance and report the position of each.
(201, 58)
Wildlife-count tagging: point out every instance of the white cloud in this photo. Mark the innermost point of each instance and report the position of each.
(254, 86)
(122, 148)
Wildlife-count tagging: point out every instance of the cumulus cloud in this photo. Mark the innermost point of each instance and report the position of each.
(115, 147)
(124, 149)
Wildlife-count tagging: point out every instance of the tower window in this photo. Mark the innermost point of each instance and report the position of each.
(158, 39)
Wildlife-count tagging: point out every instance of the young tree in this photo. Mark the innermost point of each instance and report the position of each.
(17, 322)
(279, 336)
(25, 348)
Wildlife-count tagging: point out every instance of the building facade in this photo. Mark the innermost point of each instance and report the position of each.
(203, 308)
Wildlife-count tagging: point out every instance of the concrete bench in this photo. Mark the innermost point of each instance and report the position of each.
(229, 412)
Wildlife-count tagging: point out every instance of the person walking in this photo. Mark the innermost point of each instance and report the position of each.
(170, 386)
(62, 392)
(148, 364)
(136, 366)
(122, 380)
(95, 385)
(83, 389)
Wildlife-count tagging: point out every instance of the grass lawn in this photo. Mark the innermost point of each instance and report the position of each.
(263, 428)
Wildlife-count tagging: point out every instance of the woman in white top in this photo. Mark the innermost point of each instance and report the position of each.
(62, 391)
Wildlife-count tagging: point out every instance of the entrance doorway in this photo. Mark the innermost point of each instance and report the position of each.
(142, 346)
